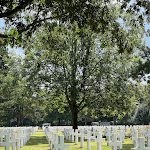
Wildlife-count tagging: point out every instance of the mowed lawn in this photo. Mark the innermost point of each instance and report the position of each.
(127, 145)
(38, 141)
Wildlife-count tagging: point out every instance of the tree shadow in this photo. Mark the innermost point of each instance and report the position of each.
(127, 146)
(67, 141)
(36, 140)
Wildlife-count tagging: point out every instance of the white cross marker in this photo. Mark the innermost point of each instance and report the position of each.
(81, 139)
(89, 138)
(22, 138)
(148, 137)
(55, 140)
(76, 136)
(108, 135)
(134, 138)
(18, 140)
(99, 140)
(121, 137)
(61, 145)
(13, 140)
(7, 142)
(114, 142)
(141, 144)
(72, 135)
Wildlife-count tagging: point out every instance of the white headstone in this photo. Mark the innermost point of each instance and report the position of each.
(81, 138)
(89, 138)
(108, 135)
(99, 140)
(121, 137)
(76, 136)
(61, 145)
(55, 141)
(148, 137)
(18, 140)
(8, 142)
(141, 144)
(134, 138)
(72, 135)
(114, 143)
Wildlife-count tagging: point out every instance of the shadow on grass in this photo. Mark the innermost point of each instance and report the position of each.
(36, 140)
(127, 146)
(67, 141)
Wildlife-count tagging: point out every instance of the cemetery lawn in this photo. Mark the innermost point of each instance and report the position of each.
(127, 145)
(38, 141)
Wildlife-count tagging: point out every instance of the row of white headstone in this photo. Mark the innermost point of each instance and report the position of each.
(55, 140)
(115, 136)
(15, 137)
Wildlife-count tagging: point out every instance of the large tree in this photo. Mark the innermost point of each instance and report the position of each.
(77, 68)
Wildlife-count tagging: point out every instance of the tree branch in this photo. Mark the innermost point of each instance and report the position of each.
(85, 63)
(16, 9)
(81, 101)
(38, 21)
(81, 107)
(66, 91)
(4, 36)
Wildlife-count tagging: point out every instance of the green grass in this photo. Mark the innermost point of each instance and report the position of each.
(38, 141)
(127, 145)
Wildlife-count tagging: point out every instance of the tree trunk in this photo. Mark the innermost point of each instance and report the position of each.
(85, 120)
(22, 117)
(59, 123)
(114, 119)
(74, 118)
(18, 121)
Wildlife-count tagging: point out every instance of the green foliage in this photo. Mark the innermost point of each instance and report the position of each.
(142, 116)
(23, 18)
(72, 57)
(57, 118)
(78, 71)
(15, 96)
(142, 67)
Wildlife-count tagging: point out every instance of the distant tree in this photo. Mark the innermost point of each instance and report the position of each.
(142, 116)
(15, 96)
(56, 118)
(142, 68)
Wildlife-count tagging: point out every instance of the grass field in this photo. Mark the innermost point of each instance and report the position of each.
(38, 141)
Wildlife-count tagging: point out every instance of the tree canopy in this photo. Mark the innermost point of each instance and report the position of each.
(23, 18)
(79, 68)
